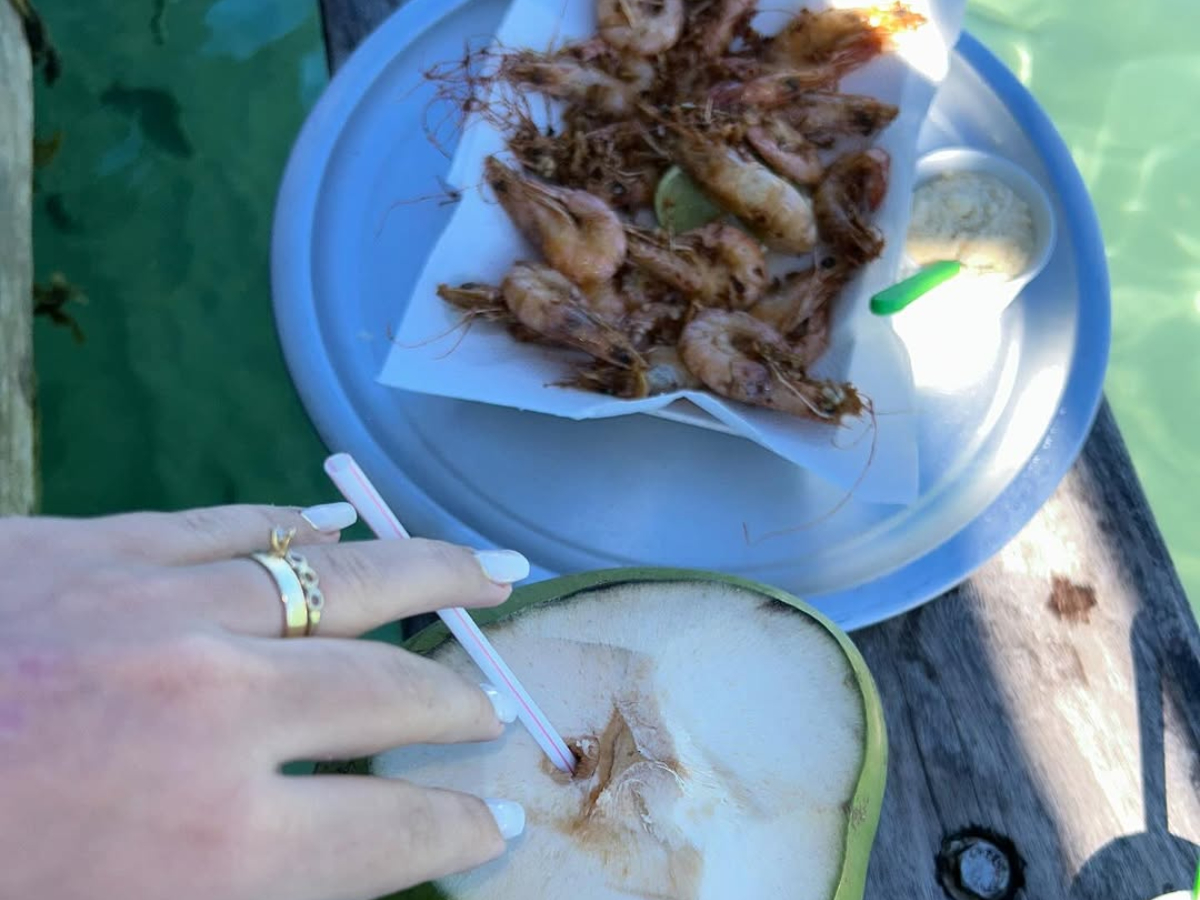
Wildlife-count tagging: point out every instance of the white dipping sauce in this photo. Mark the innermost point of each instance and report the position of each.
(975, 218)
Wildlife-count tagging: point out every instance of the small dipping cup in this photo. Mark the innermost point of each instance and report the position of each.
(973, 294)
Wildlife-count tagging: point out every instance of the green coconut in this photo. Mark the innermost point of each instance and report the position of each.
(731, 744)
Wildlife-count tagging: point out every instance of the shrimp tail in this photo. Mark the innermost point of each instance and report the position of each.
(483, 300)
(854, 186)
(478, 302)
(825, 400)
(604, 378)
(642, 27)
(662, 372)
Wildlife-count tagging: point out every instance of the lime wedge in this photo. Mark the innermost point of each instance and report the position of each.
(680, 205)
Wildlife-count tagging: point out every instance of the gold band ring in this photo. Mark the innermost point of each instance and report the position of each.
(299, 589)
(303, 573)
(291, 593)
(313, 598)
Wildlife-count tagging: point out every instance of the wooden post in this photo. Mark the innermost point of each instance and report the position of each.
(18, 468)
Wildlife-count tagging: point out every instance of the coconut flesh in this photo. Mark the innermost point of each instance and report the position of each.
(730, 745)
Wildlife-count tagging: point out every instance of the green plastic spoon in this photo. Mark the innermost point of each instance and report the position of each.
(893, 299)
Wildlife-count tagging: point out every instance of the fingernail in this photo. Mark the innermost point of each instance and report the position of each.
(509, 816)
(503, 566)
(504, 705)
(330, 517)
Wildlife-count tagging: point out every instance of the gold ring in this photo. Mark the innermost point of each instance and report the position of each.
(299, 587)
(281, 539)
(310, 584)
(291, 593)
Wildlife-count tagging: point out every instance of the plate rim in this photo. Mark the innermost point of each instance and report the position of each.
(928, 576)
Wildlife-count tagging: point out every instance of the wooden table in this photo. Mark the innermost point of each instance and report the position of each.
(1044, 717)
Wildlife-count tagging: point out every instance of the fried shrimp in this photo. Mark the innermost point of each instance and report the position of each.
(743, 150)
(544, 301)
(843, 38)
(662, 373)
(567, 77)
(797, 297)
(719, 23)
(824, 117)
(854, 186)
(742, 358)
(714, 265)
(774, 209)
(786, 151)
(578, 233)
(642, 27)
(774, 89)
(486, 302)
(483, 301)
(654, 325)
(800, 307)
(625, 304)
(610, 161)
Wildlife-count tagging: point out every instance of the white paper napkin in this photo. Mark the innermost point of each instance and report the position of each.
(877, 458)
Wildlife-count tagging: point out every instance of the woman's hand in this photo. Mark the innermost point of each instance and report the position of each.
(147, 703)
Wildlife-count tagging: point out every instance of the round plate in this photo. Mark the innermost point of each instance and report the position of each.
(1004, 409)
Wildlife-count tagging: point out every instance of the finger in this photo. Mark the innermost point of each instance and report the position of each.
(365, 584)
(368, 837)
(213, 533)
(349, 699)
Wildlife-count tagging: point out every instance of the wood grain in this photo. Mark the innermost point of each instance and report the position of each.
(18, 482)
(347, 22)
(1075, 736)
(1048, 708)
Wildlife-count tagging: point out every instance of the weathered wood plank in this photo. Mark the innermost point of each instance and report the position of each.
(347, 23)
(1030, 702)
(1052, 701)
(18, 470)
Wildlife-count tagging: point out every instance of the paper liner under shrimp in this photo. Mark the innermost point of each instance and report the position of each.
(877, 457)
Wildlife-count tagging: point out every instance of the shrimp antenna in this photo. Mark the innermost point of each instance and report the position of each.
(448, 195)
(870, 408)
(791, 389)
(858, 440)
(464, 322)
(463, 86)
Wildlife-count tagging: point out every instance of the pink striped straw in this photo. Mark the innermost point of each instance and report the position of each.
(352, 481)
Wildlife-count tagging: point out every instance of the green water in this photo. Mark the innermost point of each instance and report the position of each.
(159, 205)
(178, 121)
(1121, 81)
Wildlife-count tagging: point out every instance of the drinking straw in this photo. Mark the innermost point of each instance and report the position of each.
(361, 494)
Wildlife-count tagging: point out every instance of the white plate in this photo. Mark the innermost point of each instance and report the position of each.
(1005, 410)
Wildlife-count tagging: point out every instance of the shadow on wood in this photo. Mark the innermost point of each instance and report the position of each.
(1016, 710)
(1174, 676)
(956, 766)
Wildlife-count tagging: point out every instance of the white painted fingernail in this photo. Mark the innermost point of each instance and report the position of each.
(504, 705)
(503, 566)
(509, 816)
(330, 517)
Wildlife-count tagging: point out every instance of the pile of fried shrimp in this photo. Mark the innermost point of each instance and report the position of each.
(758, 125)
